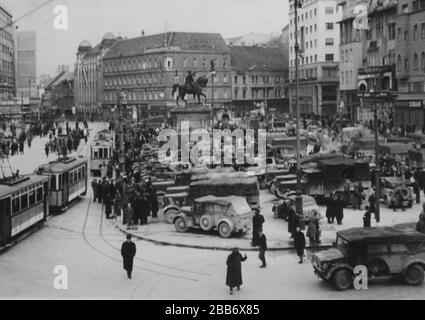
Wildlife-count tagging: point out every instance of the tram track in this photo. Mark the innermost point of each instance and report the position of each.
(106, 255)
(145, 260)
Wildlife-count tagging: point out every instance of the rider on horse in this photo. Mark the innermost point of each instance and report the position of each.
(190, 81)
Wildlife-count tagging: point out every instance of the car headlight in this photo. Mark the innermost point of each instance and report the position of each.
(325, 266)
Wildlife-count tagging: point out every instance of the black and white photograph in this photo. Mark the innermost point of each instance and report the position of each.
(212, 150)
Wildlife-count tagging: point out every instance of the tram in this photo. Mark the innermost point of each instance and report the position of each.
(23, 205)
(101, 151)
(67, 181)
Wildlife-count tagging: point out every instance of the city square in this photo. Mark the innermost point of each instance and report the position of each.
(284, 163)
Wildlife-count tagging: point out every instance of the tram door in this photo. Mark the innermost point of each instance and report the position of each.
(65, 180)
(4, 220)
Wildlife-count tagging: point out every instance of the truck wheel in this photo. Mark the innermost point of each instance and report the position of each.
(169, 215)
(181, 225)
(224, 230)
(206, 223)
(343, 279)
(414, 275)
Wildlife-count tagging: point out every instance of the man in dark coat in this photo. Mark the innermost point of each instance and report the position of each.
(145, 206)
(339, 210)
(154, 203)
(293, 221)
(299, 243)
(367, 217)
(234, 270)
(128, 251)
(330, 211)
(95, 188)
(108, 206)
(262, 243)
(257, 227)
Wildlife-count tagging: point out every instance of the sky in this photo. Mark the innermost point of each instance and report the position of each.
(91, 19)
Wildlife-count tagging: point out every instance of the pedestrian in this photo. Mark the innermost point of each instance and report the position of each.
(128, 252)
(372, 201)
(417, 191)
(128, 215)
(313, 229)
(234, 270)
(420, 226)
(330, 210)
(293, 221)
(117, 204)
(299, 243)
(145, 208)
(257, 227)
(367, 217)
(108, 206)
(154, 203)
(46, 149)
(95, 188)
(262, 243)
(339, 210)
(109, 170)
(103, 170)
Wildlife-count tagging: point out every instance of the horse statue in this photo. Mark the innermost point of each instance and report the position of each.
(196, 90)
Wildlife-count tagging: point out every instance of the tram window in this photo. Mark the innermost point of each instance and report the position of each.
(101, 153)
(60, 182)
(71, 178)
(15, 205)
(95, 153)
(105, 153)
(79, 173)
(31, 197)
(39, 194)
(83, 171)
(53, 182)
(75, 175)
(24, 201)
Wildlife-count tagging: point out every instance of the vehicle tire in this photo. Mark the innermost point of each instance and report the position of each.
(206, 222)
(414, 274)
(169, 215)
(224, 230)
(343, 279)
(181, 225)
(263, 184)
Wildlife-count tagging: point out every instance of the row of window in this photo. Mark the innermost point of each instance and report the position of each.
(416, 65)
(329, 27)
(329, 57)
(405, 35)
(27, 199)
(254, 79)
(309, 14)
(133, 64)
(257, 94)
(68, 178)
(347, 77)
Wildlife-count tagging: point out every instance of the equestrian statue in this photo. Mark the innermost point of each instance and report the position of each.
(191, 87)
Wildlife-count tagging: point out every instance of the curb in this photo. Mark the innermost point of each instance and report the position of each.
(166, 243)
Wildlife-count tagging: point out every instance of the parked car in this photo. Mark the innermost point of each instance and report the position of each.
(384, 251)
(281, 207)
(226, 214)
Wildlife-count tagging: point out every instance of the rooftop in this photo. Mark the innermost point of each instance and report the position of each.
(257, 58)
(175, 41)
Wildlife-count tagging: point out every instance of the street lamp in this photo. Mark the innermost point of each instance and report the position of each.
(297, 4)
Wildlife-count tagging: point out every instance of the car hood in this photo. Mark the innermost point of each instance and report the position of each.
(329, 255)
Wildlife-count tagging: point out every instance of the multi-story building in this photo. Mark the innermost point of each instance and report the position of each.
(88, 74)
(58, 98)
(26, 77)
(7, 55)
(376, 76)
(352, 43)
(147, 67)
(259, 75)
(409, 29)
(318, 38)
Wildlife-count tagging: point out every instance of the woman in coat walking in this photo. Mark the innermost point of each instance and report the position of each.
(299, 244)
(234, 270)
(313, 230)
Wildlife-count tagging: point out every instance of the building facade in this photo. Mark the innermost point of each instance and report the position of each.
(259, 76)
(7, 55)
(409, 27)
(58, 97)
(26, 77)
(318, 38)
(352, 49)
(88, 74)
(147, 67)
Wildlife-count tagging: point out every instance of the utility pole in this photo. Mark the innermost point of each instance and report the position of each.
(297, 4)
(212, 91)
(121, 102)
(377, 166)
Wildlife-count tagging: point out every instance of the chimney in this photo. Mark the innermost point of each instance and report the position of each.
(143, 33)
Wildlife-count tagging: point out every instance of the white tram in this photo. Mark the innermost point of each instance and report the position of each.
(68, 181)
(101, 151)
(23, 205)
